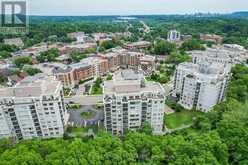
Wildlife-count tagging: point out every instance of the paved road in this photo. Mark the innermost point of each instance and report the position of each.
(84, 100)
(146, 27)
(169, 131)
(76, 119)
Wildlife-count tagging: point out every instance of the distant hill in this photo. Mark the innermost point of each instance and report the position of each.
(240, 14)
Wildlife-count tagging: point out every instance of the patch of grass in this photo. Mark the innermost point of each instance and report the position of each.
(81, 131)
(179, 119)
(75, 106)
(97, 88)
(67, 91)
(109, 77)
(88, 115)
(84, 81)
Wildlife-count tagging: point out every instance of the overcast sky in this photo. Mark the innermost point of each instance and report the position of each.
(131, 7)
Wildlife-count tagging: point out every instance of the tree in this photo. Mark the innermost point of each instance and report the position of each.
(32, 71)
(109, 77)
(21, 61)
(146, 128)
(4, 54)
(164, 48)
(48, 56)
(8, 48)
(107, 45)
(3, 79)
(177, 57)
(192, 45)
(77, 57)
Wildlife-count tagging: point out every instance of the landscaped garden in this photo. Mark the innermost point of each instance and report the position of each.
(74, 106)
(88, 115)
(97, 88)
(179, 119)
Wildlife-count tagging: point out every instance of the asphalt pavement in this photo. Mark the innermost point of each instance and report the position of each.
(77, 120)
(84, 100)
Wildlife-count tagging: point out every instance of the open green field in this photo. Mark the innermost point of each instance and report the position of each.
(179, 119)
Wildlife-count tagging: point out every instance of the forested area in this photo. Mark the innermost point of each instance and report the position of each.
(234, 30)
(219, 137)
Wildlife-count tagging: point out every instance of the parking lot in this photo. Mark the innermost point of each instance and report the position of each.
(76, 120)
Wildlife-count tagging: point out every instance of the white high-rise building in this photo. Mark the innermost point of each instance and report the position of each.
(224, 54)
(201, 86)
(34, 108)
(129, 102)
(174, 35)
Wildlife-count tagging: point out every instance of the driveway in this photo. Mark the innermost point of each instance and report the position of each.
(78, 121)
(84, 100)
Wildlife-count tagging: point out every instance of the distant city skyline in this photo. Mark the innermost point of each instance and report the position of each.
(133, 7)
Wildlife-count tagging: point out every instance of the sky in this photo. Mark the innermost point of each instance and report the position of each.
(133, 7)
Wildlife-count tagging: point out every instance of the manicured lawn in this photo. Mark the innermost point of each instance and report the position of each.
(178, 119)
(75, 106)
(88, 115)
(80, 131)
(96, 90)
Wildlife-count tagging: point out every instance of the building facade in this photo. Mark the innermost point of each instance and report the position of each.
(174, 35)
(102, 64)
(129, 102)
(225, 54)
(34, 108)
(201, 86)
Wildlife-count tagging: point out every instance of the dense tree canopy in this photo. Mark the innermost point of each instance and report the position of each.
(32, 71)
(192, 45)
(21, 61)
(164, 48)
(48, 56)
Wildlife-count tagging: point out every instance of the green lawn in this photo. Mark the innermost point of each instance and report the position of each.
(88, 115)
(80, 131)
(96, 90)
(178, 119)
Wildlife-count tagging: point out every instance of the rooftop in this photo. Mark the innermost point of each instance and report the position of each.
(128, 81)
(34, 86)
(205, 70)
